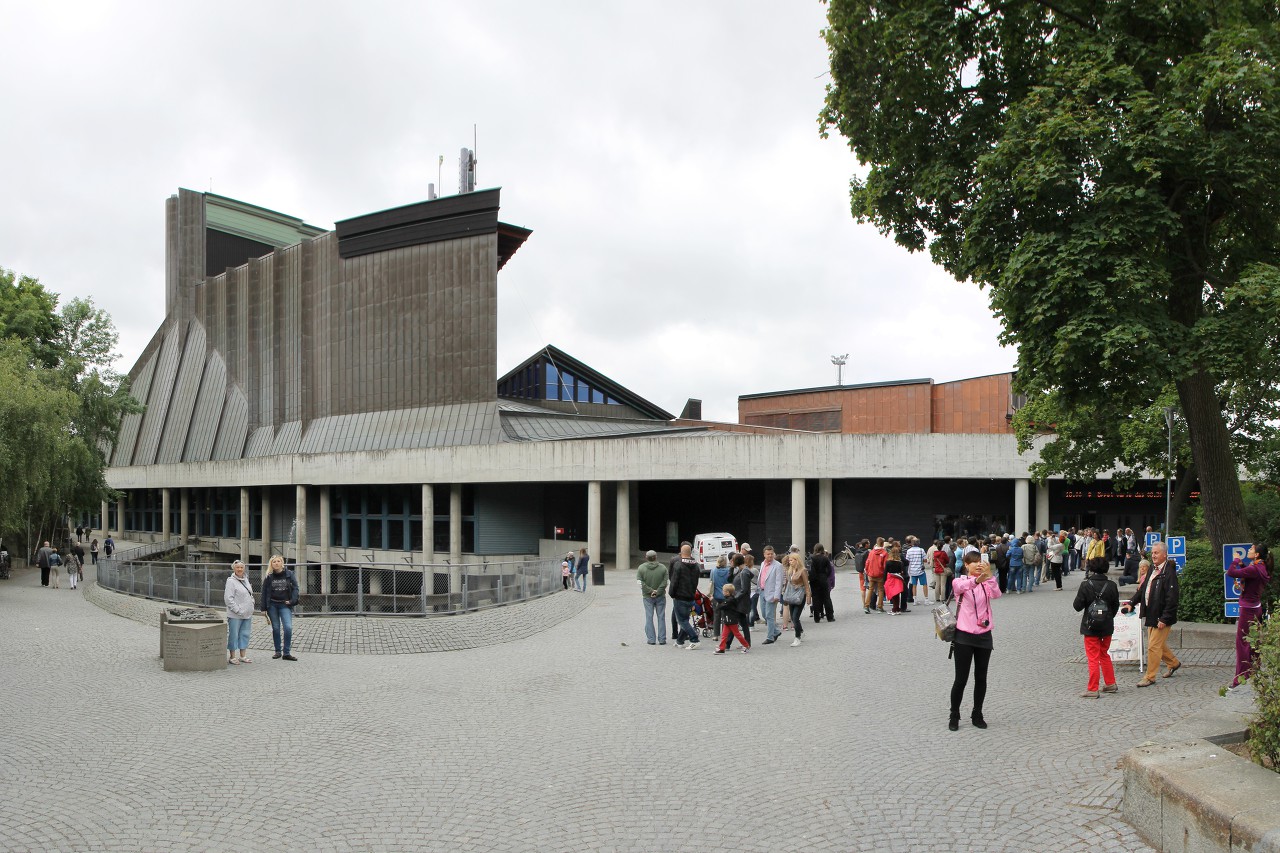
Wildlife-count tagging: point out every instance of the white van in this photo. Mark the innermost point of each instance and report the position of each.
(708, 546)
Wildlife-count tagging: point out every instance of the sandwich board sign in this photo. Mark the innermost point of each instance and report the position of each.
(1127, 640)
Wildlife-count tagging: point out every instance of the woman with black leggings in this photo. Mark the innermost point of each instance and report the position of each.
(974, 590)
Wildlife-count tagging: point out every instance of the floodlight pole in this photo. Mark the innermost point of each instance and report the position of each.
(839, 361)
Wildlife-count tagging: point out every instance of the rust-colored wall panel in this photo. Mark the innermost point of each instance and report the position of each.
(976, 405)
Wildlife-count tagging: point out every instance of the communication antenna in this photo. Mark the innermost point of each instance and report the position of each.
(839, 361)
(466, 171)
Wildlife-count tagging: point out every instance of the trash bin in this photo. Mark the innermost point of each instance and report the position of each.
(597, 574)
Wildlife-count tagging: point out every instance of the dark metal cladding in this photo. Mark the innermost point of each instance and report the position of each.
(425, 222)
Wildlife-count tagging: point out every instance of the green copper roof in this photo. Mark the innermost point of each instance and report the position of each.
(256, 223)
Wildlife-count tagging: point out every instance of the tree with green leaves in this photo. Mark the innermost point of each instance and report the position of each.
(1109, 171)
(60, 407)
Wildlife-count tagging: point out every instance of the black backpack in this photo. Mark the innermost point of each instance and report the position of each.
(1098, 613)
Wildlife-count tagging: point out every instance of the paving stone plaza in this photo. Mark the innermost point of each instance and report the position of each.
(551, 725)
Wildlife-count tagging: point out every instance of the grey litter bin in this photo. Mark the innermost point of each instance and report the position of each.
(597, 574)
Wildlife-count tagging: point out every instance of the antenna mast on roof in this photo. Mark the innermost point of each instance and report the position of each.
(467, 167)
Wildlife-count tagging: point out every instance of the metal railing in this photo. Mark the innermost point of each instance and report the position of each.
(366, 589)
(142, 552)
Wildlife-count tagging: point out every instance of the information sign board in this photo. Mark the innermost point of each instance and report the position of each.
(1151, 539)
(1177, 546)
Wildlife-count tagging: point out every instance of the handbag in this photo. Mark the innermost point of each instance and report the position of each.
(792, 594)
(944, 622)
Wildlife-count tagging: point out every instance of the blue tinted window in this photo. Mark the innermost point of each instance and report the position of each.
(553, 384)
(584, 392)
(596, 396)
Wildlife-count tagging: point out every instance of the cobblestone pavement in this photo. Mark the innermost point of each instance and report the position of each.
(381, 636)
(578, 737)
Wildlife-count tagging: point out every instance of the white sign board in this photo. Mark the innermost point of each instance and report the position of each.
(1127, 641)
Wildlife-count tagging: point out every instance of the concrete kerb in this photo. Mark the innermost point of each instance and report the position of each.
(1184, 791)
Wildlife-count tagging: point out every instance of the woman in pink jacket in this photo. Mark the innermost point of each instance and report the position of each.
(1252, 579)
(974, 590)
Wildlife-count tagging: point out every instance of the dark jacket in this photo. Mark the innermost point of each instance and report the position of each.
(1164, 596)
(729, 610)
(821, 571)
(742, 591)
(1087, 592)
(683, 578)
(280, 588)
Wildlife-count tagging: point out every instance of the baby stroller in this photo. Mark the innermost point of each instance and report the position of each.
(704, 614)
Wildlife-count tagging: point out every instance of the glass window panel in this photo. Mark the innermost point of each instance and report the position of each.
(584, 392)
(553, 385)
(596, 396)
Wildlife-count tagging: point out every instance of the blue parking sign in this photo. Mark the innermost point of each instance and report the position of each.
(1152, 538)
(1177, 546)
(1180, 560)
(1232, 587)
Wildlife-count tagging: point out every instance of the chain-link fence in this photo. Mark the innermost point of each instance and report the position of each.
(366, 589)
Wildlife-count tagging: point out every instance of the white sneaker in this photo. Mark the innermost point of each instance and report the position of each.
(693, 646)
(795, 642)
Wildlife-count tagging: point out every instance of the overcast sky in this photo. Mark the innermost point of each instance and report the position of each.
(691, 231)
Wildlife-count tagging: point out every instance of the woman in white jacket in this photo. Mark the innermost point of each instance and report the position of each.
(239, 600)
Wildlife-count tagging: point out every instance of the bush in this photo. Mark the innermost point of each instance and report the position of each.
(1200, 585)
(1264, 731)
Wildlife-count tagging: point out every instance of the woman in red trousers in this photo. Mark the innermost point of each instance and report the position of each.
(1097, 634)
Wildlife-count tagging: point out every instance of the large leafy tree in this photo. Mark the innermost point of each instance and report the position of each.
(60, 406)
(1110, 171)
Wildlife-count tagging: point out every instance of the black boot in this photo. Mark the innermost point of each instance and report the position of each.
(954, 722)
(978, 722)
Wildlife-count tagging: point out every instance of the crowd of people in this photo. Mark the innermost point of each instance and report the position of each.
(895, 575)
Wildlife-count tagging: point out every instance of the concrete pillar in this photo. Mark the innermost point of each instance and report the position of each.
(120, 505)
(826, 519)
(1021, 506)
(455, 537)
(300, 537)
(1042, 506)
(326, 529)
(106, 528)
(797, 514)
(623, 559)
(184, 515)
(634, 494)
(428, 524)
(266, 527)
(594, 545)
(166, 528)
(244, 523)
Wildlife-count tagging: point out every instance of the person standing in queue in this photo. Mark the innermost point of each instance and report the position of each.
(972, 647)
(279, 597)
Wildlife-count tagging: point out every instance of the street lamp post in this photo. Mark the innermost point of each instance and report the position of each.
(1168, 483)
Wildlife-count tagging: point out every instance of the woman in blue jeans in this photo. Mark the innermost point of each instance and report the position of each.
(580, 573)
(279, 597)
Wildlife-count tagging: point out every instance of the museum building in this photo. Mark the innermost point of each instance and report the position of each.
(320, 393)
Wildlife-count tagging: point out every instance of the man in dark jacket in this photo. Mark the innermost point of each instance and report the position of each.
(42, 560)
(821, 573)
(683, 573)
(1158, 597)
